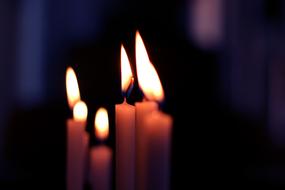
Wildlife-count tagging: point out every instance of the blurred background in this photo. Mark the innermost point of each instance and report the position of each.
(220, 63)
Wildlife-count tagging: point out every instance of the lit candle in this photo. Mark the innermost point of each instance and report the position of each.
(77, 137)
(125, 131)
(158, 131)
(153, 128)
(101, 155)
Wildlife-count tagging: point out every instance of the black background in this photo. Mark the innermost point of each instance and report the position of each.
(223, 99)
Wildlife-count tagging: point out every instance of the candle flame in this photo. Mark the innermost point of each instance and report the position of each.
(101, 124)
(80, 111)
(72, 89)
(126, 71)
(148, 78)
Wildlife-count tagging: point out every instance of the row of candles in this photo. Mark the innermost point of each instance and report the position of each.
(143, 134)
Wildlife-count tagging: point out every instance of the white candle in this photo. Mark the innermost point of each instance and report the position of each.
(158, 127)
(142, 110)
(146, 137)
(101, 155)
(77, 137)
(77, 145)
(125, 132)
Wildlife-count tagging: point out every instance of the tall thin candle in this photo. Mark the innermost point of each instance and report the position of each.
(77, 137)
(125, 131)
(101, 155)
(153, 128)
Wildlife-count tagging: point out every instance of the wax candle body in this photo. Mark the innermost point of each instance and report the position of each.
(142, 110)
(100, 173)
(158, 127)
(125, 147)
(77, 145)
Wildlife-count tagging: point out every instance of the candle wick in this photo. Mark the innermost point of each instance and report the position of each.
(130, 87)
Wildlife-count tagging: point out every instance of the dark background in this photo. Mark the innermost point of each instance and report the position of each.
(221, 64)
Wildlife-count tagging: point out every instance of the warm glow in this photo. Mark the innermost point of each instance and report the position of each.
(72, 89)
(101, 124)
(80, 111)
(148, 78)
(126, 71)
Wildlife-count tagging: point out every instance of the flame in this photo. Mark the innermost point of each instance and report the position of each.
(126, 71)
(148, 78)
(80, 111)
(101, 124)
(72, 89)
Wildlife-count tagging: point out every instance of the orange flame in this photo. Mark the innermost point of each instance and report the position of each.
(101, 124)
(80, 111)
(72, 89)
(126, 71)
(148, 78)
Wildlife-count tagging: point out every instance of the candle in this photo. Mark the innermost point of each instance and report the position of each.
(101, 155)
(125, 131)
(77, 138)
(158, 128)
(152, 127)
